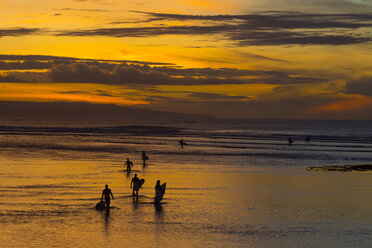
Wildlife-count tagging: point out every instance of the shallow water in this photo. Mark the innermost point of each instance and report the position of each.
(222, 191)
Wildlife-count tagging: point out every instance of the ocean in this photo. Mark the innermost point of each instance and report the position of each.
(237, 183)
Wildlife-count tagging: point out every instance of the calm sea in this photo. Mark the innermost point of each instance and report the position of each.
(237, 183)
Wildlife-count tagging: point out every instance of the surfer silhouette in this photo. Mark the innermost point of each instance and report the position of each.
(159, 191)
(157, 186)
(182, 143)
(136, 184)
(129, 164)
(307, 139)
(144, 158)
(290, 141)
(107, 192)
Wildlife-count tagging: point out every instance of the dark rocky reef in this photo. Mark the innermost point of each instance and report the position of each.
(342, 168)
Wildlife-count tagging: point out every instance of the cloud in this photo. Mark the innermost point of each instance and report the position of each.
(256, 56)
(73, 92)
(277, 19)
(297, 38)
(362, 86)
(88, 10)
(19, 31)
(138, 75)
(358, 5)
(29, 62)
(149, 31)
(29, 77)
(265, 28)
(216, 97)
(72, 59)
(79, 92)
(260, 29)
(24, 65)
(125, 74)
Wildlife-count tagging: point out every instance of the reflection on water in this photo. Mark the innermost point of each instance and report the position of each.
(144, 166)
(287, 208)
(128, 173)
(235, 192)
(135, 201)
(106, 218)
(158, 208)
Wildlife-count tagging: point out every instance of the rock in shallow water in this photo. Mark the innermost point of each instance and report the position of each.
(342, 168)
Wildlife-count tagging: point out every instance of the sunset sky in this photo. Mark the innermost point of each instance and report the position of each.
(232, 59)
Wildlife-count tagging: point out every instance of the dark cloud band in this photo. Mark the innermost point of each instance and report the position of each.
(260, 29)
(267, 28)
(134, 74)
(19, 31)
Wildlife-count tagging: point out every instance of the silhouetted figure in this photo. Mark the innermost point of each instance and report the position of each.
(307, 139)
(159, 192)
(290, 141)
(107, 220)
(157, 186)
(136, 184)
(144, 158)
(182, 143)
(107, 192)
(129, 165)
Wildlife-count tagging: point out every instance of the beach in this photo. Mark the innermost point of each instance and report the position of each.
(229, 187)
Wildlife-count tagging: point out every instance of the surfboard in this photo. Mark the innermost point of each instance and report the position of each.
(160, 193)
(138, 185)
(183, 143)
(101, 205)
(146, 158)
(141, 182)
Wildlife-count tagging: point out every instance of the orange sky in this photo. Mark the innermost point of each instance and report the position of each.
(239, 59)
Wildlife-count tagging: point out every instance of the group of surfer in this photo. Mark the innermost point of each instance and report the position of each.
(135, 184)
(129, 164)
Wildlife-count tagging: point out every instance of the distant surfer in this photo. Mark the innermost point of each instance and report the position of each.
(136, 184)
(129, 165)
(107, 192)
(144, 157)
(307, 139)
(290, 141)
(182, 143)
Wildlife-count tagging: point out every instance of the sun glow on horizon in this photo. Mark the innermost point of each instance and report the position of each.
(346, 105)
